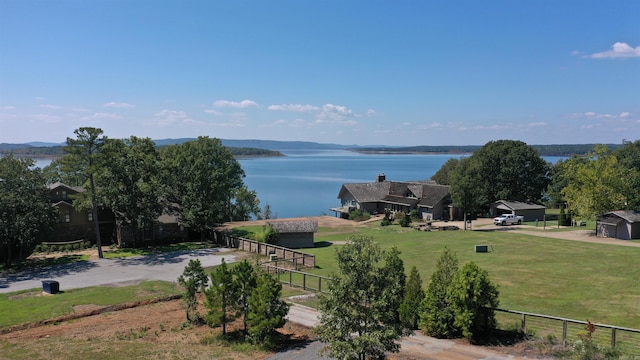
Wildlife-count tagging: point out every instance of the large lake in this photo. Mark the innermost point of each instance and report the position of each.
(306, 183)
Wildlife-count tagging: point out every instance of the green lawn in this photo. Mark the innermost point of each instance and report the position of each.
(30, 305)
(562, 278)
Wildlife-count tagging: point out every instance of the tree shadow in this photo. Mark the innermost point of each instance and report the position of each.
(165, 258)
(322, 244)
(502, 338)
(50, 272)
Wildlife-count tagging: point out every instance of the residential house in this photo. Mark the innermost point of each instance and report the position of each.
(295, 234)
(530, 212)
(623, 225)
(77, 224)
(431, 200)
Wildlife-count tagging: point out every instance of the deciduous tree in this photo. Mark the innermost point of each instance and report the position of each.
(600, 184)
(356, 316)
(129, 182)
(26, 214)
(503, 169)
(202, 176)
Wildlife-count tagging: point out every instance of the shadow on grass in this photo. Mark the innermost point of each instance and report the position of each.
(322, 244)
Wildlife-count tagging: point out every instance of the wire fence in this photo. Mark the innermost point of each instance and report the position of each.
(568, 331)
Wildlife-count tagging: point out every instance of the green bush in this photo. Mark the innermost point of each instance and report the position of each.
(359, 215)
(386, 221)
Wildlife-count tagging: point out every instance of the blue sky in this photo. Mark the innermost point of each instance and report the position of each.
(349, 72)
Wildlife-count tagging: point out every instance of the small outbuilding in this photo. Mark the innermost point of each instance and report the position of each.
(530, 212)
(623, 225)
(295, 234)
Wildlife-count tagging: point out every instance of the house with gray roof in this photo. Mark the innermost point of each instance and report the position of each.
(430, 199)
(623, 225)
(530, 211)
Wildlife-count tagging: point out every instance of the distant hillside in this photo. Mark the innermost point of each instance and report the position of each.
(25, 150)
(265, 144)
(543, 150)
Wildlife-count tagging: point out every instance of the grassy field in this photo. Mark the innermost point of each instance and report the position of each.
(562, 278)
(30, 306)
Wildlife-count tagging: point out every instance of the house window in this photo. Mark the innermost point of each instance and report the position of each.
(90, 216)
(64, 194)
(67, 218)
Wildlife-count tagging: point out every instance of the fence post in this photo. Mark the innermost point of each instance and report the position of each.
(564, 333)
(290, 279)
(319, 284)
(304, 281)
(613, 337)
(523, 326)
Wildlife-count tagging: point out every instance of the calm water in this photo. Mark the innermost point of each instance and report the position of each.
(306, 183)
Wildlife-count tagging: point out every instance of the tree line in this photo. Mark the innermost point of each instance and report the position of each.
(587, 185)
(200, 181)
(543, 150)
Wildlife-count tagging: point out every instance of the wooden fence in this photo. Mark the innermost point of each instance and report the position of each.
(626, 340)
(298, 258)
(299, 279)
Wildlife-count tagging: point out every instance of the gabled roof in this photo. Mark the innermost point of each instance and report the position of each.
(517, 205)
(77, 189)
(421, 193)
(433, 194)
(294, 226)
(632, 216)
(366, 192)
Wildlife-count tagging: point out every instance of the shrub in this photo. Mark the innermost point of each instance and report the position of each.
(194, 280)
(415, 215)
(387, 219)
(405, 220)
(359, 215)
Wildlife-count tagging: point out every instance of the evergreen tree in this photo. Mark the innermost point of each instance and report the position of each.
(194, 280)
(437, 317)
(413, 296)
(266, 310)
(473, 297)
(244, 282)
(221, 296)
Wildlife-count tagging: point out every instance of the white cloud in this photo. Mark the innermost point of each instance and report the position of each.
(102, 116)
(371, 112)
(334, 113)
(537, 124)
(49, 106)
(618, 50)
(169, 117)
(8, 107)
(122, 105)
(293, 107)
(47, 118)
(79, 110)
(234, 104)
(624, 114)
(213, 112)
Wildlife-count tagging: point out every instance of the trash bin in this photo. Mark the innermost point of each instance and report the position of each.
(50, 286)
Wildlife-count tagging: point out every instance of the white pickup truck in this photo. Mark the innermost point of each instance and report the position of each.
(508, 219)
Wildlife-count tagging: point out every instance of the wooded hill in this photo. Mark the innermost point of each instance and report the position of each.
(22, 150)
(543, 150)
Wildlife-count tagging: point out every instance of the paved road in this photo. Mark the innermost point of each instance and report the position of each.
(131, 270)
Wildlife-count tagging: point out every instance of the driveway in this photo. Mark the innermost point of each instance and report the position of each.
(114, 272)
